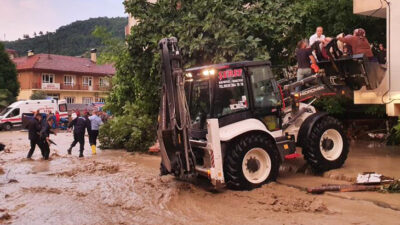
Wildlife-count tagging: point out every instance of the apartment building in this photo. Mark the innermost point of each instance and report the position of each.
(75, 79)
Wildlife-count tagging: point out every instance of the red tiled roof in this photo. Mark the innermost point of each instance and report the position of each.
(60, 63)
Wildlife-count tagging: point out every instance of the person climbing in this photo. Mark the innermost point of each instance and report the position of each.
(95, 122)
(79, 124)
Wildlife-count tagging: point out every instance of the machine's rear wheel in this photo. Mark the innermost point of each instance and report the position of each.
(326, 147)
(251, 161)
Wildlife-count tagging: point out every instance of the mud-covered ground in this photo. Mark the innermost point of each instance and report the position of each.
(116, 187)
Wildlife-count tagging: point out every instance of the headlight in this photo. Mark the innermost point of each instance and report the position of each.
(208, 72)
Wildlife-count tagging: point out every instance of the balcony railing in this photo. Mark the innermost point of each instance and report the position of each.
(77, 87)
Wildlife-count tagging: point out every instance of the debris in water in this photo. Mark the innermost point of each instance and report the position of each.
(5, 216)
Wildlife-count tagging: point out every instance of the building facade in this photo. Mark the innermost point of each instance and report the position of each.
(77, 80)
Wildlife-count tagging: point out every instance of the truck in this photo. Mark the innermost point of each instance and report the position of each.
(235, 124)
(12, 115)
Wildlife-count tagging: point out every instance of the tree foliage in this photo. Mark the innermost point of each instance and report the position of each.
(37, 95)
(111, 46)
(217, 31)
(74, 39)
(9, 85)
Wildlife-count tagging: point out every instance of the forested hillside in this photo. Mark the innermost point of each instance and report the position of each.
(74, 39)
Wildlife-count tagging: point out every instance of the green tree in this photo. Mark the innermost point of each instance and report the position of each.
(74, 39)
(111, 46)
(9, 85)
(37, 95)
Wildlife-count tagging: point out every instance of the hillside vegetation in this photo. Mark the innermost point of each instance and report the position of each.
(74, 39)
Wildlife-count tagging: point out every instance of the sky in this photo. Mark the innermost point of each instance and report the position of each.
(18, 17)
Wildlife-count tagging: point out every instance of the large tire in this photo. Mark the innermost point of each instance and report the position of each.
(326, 147)
(250, 161)
(7, 126)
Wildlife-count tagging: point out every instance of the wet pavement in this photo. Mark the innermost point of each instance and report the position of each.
(117, 187)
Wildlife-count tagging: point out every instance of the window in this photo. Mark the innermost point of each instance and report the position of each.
(100, 100)
(13, 113)
(62, 107)
(5, 111)
(87, 81)
(47, 78)
(231, 95)
(70, 100)
(69, 80)
(87, 100)
(53, 96)
(103, 82)
(263, 88)
(199, 103)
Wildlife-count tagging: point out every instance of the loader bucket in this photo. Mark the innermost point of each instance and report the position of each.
(356, 71)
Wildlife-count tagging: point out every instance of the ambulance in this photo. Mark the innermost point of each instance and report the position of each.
(12, 115)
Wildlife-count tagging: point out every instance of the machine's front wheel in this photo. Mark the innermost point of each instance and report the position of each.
(326, 147)
(7, 126)
(251, 161)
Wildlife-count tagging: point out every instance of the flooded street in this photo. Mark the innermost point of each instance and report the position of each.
(116, 187)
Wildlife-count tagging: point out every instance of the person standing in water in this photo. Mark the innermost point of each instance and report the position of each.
(95, 122)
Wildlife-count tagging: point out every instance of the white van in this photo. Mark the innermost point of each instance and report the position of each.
(12, 115)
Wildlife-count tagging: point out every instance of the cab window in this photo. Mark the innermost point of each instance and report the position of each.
(5, 111)
(263, 88)
(199, 103)
(231, 93)
(13, 113)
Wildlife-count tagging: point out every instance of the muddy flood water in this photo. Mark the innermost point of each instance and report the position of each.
(116, 187)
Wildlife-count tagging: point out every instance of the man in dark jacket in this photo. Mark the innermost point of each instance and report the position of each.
(79, 124)
(34, 129)
(44, 137)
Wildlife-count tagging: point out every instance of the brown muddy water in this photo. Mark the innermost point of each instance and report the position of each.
(116, 187)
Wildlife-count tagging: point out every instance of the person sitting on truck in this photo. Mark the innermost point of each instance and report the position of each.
(34, 127)
(358, 42)
(304, 56)
(318, 36)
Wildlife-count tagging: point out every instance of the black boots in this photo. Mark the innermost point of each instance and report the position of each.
(69, 151)
(80, 154)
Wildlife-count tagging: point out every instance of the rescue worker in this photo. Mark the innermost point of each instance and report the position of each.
(34, 128)
(304, 56)
(45, 135)
(79, 124)
(95, 122)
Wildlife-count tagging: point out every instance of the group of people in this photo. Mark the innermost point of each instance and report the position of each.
(39, 132)
(357, 43)
(81, 123)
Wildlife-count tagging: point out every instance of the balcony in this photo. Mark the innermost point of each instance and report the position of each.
(75, 87)
(85, 87)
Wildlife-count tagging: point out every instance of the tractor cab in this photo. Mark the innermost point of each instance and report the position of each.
(232, 92)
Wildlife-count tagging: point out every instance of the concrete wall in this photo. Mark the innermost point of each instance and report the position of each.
(368, 7)
(389, 91)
